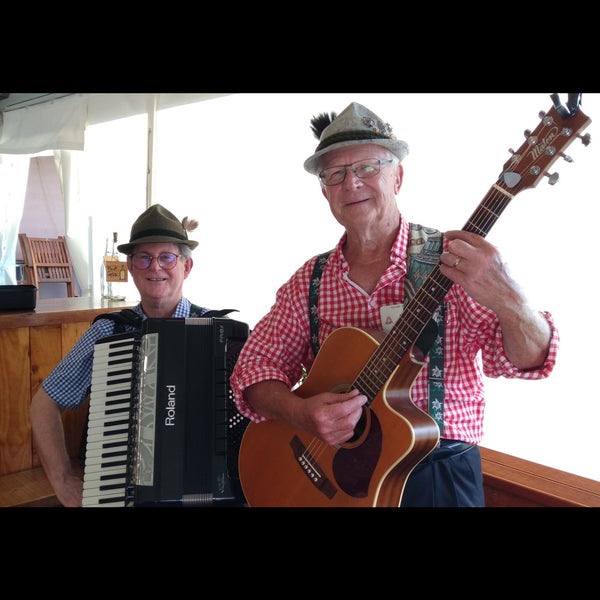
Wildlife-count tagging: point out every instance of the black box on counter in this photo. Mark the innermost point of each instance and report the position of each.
(17, 297)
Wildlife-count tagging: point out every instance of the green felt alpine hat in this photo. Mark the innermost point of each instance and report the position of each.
(156, 225)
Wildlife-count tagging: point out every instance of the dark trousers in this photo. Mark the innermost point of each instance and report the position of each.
(449, 477)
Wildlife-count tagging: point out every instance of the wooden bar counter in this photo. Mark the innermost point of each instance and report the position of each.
(32, 342)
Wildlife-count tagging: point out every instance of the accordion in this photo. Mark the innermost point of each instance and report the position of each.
(163, 429)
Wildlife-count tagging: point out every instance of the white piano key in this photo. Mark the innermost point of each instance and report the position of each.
(94, 474)
(109, 500)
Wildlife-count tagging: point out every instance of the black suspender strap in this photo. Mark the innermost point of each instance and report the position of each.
(313, 300)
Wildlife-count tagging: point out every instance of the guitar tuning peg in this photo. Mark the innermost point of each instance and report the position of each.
(586, 139)
(542, 114)
(566, 157)
(532, 139)
(552, 179)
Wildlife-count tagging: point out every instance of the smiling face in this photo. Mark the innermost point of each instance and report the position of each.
(156, 284)
(361, 202)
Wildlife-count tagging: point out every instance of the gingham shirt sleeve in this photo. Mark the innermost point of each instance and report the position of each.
(478, 327)
(278, 345)
(500, 366)
(69, 382)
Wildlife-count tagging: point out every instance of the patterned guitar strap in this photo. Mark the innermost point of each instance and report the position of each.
(424, 248)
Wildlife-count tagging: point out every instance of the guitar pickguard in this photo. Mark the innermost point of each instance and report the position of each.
(353, 468)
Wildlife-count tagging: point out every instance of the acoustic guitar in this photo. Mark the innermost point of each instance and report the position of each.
(281, 466)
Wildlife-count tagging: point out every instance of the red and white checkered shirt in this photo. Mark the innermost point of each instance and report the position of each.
(280, 345)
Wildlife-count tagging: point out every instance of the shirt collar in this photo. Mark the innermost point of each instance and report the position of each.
(182, 310)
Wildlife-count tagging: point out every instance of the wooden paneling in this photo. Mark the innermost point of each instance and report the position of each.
(15, 396)
(31, 344)
(48, 346)
(46, 351)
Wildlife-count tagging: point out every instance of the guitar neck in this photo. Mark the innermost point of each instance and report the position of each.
(558, 128)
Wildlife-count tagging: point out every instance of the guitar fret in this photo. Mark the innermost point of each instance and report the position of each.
(475, 229)
(489, 211)
(365, 387)
(503, 191)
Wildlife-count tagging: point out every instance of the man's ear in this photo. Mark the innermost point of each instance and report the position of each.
(399, 178)
(189, 263)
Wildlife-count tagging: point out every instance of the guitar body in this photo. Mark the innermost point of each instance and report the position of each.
(283, 466)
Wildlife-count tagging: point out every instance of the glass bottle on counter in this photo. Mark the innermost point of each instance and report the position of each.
(105, 286)
(111, 276)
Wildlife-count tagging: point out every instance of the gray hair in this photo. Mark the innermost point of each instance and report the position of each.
(185, 250)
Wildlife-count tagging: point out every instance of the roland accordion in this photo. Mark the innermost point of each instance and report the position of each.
(163, 429)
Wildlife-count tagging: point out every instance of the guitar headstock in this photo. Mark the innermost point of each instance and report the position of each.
(558, 128)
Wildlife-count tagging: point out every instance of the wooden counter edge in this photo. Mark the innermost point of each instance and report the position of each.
(536, 484)
(56, 311)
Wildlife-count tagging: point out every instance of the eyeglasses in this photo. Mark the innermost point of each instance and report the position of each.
(363, 169)
(165, 260)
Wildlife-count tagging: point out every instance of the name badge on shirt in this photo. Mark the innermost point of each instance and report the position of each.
(390, 314)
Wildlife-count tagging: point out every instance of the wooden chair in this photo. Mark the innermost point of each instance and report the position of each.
(47, 260)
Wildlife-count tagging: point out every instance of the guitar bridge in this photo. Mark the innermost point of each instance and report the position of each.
(311, 468)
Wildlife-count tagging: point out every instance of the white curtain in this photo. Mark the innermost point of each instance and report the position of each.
(54, 125)
(14, 171)
(76, 218)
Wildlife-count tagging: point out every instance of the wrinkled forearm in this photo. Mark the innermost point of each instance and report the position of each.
(526, 337)
(48, 434)
(272, 400)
